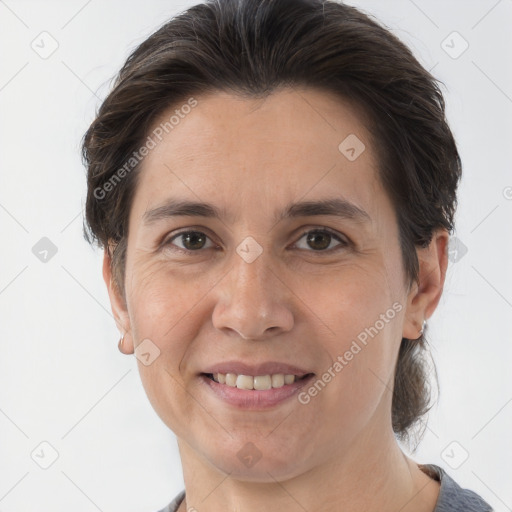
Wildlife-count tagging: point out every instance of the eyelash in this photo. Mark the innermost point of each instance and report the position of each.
(343, 243)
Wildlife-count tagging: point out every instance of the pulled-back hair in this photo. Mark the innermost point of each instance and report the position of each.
(251, 48)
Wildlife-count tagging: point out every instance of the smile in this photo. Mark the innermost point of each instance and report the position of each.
(253, 392)
(259, 382)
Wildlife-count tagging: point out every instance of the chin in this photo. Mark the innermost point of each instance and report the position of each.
(259, 462)
(262, 472)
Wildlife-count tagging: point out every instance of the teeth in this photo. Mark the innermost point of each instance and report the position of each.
(278, 380)
(260, 382)
(288, 379)
(230, 379)
(245, 382)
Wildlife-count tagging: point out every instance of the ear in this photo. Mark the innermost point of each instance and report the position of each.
(424, 296)
(118, 305)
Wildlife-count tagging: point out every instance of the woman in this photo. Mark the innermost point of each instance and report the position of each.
(274, 185)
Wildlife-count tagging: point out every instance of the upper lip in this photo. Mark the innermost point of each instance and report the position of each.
(266, 368)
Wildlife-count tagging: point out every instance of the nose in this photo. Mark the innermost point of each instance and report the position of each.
(252, 301)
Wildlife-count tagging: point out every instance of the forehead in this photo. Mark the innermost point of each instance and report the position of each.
(301, 118)
(253, 152)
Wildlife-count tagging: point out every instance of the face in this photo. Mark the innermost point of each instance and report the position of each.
(301, 269)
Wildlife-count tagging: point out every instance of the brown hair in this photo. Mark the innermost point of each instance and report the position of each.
(252, 47)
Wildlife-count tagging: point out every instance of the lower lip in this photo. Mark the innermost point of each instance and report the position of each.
(254, 399)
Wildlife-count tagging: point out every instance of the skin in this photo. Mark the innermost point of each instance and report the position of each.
(294, 303)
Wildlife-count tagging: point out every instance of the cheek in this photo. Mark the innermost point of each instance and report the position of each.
(162, 302)
(355, 389)
(164, 309)
(362, 318)
(355, 299)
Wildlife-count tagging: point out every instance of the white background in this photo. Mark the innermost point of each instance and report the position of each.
(62, 379)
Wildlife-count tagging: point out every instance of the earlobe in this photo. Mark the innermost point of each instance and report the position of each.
(425, 295)
(118, 307)
(125, 345)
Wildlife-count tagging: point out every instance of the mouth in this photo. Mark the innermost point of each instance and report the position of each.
(256, 383)
(253, 393)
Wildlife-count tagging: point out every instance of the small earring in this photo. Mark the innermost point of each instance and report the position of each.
(122, 348)
(423, 327)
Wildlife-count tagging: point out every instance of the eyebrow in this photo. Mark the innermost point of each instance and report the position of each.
(337, 207)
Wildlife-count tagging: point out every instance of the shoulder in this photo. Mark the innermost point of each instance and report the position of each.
(175, 503)
(452, 497)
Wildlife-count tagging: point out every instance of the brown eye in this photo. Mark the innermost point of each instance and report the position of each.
(320, 240)
(190, 240)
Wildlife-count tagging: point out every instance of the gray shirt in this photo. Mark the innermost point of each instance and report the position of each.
(452, 497)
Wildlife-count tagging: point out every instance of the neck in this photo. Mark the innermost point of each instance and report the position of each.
(374, 475)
